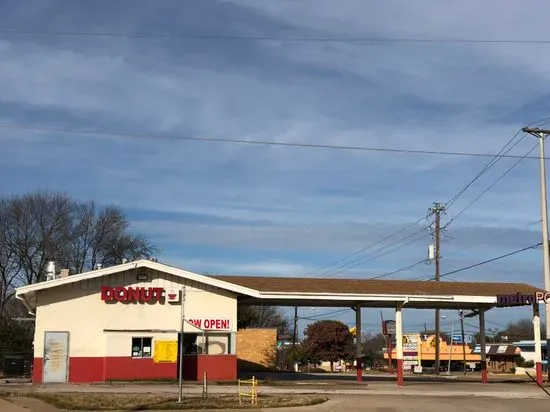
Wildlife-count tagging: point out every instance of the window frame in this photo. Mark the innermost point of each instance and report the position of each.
(141, 355)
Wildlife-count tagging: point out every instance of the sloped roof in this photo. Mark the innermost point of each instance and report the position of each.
(130, 266)
(367, 286)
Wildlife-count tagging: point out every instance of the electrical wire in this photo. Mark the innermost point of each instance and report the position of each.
(254, 142)
(487, 239)
(487, 261)
(361, 261)
(321, 315)
(491, 163)
(471, 203)
(362, 40)
(401, 269)
(365, 248)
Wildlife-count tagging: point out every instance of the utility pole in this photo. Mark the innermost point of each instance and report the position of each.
(437, 210)
(541, 134)
(463, 340)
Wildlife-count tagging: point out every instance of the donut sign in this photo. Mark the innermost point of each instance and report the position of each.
(139, 294)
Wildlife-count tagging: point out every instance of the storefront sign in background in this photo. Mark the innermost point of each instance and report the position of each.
(166, 351)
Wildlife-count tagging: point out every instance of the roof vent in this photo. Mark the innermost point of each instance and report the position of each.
(50, 270)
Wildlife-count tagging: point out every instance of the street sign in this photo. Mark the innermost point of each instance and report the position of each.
(458, 339)
(388, 327)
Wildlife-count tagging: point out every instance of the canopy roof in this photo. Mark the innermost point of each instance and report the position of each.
(292, 291)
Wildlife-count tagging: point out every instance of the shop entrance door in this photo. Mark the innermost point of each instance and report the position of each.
(56, 357)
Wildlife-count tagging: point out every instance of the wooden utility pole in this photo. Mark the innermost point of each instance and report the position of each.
(437, 210)
(463, 340)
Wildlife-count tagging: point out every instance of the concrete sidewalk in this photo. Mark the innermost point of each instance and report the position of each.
(433, 389)
(6, 406)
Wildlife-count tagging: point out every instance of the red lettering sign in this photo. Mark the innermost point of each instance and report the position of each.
(124, 294)
(211, 323)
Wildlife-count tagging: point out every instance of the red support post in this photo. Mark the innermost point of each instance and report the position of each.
(484, 372)
(538, 369)
(390, 351)
(400, 372)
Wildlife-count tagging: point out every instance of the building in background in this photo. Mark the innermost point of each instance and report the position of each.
(501, 358)
(257, 349)
(527, 351)
(419, 352)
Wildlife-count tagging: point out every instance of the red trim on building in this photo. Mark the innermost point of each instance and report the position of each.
(100, 369)
(127, 368)
(37, 370)
(217, 367)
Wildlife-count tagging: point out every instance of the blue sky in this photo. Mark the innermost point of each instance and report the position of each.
(265, 210)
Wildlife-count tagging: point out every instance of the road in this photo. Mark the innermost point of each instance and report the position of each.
(373, 403)
(430, 404)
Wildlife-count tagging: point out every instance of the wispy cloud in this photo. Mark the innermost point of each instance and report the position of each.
(261, 209)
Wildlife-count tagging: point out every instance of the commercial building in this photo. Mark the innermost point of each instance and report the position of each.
(125, 322)
(528, 351)
(419, 352)
(501, 358)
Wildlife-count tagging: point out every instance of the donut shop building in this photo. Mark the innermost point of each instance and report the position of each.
(124, 323)
(130, 321)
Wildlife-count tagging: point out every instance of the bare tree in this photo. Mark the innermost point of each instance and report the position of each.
(38, 227)
(249, 316)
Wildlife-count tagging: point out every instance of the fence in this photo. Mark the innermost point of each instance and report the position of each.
(16, 364)
(253, 394)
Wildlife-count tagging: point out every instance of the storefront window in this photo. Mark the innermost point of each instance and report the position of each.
(206, 344)
(141, 347)
(217, 344)
(192, 344)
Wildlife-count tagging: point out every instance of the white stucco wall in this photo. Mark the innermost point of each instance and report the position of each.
(98, 328)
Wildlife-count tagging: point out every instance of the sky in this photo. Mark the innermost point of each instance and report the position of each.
(247, 209)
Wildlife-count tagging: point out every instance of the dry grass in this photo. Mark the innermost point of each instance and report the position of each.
(137, 402)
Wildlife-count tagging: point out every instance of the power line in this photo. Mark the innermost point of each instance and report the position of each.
(320, 315)
(491, 163)
(491, 185)
(487, 239)
(365, 248)
(189, 36)
(401, 269)
(497, 157)
(360, 261)
(256, 142)
(489, 260)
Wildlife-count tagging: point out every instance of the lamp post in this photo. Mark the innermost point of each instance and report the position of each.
(451, 345)
(541, 134)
